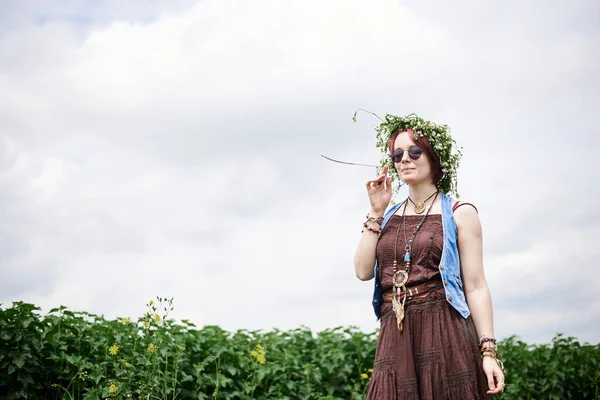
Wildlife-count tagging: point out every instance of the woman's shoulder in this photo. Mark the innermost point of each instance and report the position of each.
(456, 204)
(466, 216)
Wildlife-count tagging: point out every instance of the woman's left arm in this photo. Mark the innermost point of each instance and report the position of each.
(477, 292)
(470, 247)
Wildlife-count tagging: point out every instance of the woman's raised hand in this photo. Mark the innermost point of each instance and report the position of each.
(380, 192)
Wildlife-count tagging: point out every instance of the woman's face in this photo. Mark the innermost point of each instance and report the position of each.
(411, 171)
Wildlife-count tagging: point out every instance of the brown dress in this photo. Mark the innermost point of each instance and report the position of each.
(436, 356)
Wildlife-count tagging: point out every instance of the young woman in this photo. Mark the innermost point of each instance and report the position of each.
(436, 337)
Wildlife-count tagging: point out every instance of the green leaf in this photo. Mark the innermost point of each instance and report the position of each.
(25, 379)
(19, 361)
(25, 322)
(231, 369)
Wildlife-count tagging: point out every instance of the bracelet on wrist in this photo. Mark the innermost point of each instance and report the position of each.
(367, 227)
(485, 339)
(378, 220)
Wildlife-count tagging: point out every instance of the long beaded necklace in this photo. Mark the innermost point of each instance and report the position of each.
(400, 277)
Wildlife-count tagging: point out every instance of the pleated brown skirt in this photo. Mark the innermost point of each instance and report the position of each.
(436, 356)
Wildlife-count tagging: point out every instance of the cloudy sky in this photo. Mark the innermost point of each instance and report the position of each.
(172, 148)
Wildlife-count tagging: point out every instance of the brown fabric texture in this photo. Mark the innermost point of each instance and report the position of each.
(436, 356)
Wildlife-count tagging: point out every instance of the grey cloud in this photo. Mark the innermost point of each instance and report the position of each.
(27, 277)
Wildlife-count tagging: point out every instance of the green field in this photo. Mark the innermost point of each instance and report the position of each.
(76, 355)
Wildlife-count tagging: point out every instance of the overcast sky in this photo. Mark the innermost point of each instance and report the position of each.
(172, 148)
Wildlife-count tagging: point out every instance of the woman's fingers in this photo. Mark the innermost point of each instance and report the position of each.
(376, 182)
(495, 388)
(371, 184)
(491, 383)
(499, 389)
(500, 384)
(380, 180)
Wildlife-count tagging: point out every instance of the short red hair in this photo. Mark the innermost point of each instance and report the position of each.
(436, 168)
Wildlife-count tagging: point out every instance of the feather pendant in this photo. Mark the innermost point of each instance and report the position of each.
(398, 309)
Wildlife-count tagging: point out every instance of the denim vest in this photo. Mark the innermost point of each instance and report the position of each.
(449, 264)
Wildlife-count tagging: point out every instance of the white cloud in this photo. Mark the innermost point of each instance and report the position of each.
(177, 154)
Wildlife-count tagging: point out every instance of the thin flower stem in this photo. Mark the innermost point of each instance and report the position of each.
(348, 163)
(367, 111)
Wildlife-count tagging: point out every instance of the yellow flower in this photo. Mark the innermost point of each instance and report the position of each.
(151, 347)
(157, 318)
(146, 324)
(259, 354)
(364, 376)
(126, 364)
(151, 302)
(112, 388)
(125, 320)
(113, 350)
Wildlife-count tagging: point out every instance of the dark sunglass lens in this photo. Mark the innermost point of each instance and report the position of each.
(397, 156)
(415, 153)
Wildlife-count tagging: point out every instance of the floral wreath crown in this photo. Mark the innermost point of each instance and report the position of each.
(444, 146)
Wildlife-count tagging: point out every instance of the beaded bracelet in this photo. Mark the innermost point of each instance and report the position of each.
(490, 350)
(484, 339)
(378, 220)
(491, 353)
(487, 346)
(366, 226)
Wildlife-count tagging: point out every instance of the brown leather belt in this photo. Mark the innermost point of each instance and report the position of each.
(416, 291)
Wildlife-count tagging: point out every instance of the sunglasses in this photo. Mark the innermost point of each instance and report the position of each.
(414, 153)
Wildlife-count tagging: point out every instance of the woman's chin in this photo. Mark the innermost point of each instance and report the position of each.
(414, 180)
(409, 180)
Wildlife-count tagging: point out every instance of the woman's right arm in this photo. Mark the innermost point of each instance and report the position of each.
(380, 194)
(364, 258)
